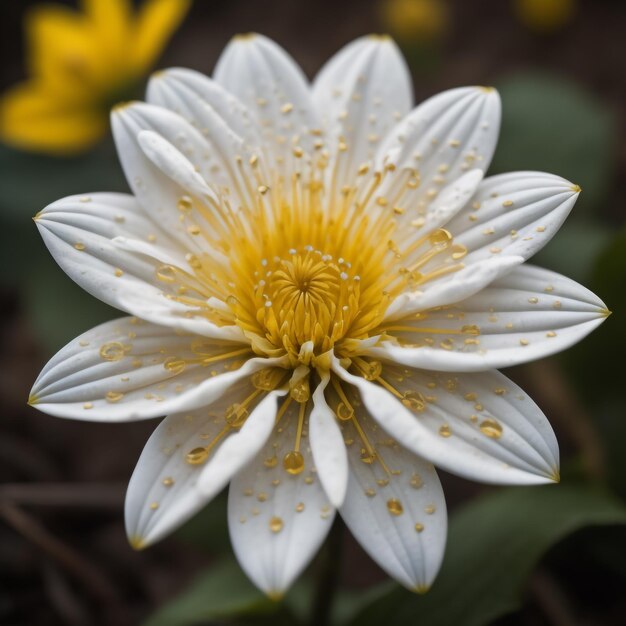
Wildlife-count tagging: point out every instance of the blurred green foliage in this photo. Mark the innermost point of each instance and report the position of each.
(492, 547)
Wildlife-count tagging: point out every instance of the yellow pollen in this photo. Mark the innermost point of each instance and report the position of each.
(306, 263)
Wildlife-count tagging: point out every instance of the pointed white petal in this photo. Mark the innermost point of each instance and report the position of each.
(277, 520)
(513, 214)
(163, 491)
(395, 507)
(480, 426)
(528, 314)
(509, 218)
(459, 286)
(361, 93)
(445, 136)
(274, 89)
(112, 250)
(215, 157)
(240, 449)
(198, 99)
(328, 448)
(128, 369)
(158, 195)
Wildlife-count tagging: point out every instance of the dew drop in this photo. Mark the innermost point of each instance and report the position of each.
(174, 364)
(416, 481)
(367, 457)
(270, 461)
(445, 430)
(490, 428)
(114, 396)
(185, 204)
(293, 462)
(166, 273)
(440, 238)
(414, 400)
(197, 456)
(394, 506)
(276, 524)
(113, 351)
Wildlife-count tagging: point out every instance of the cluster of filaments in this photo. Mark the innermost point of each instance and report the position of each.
(301, 262)
(304, 267)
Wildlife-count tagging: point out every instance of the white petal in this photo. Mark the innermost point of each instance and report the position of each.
(528, 314)
(513, 214)
(328, 448)
(112, 250)
(508, 219)
(162, 493)
(445, 136)
(460, 285)
(238, 450)
(509, 441)
(128, 369)
(198, 99)
(267, 80)
(361, 93)
(215, 157)
(277, 521)
(395, 507)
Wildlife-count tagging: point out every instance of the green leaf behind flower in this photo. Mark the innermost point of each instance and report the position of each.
(552, 124)
(494, 543)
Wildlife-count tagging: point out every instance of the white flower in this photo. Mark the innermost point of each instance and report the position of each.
(321, 284)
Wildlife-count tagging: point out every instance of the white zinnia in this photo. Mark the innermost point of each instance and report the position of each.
(321, 284)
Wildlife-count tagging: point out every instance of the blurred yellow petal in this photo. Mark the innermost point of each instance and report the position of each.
(32, 118)
(415, 21)
(112, 21)
(545, 16)
(156, 22)
(63, 50)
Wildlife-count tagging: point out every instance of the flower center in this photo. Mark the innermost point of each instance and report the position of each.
(306, 297)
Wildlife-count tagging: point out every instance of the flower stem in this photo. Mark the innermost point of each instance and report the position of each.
(328, 576)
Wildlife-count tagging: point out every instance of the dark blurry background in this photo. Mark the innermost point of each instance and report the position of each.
(64, 558)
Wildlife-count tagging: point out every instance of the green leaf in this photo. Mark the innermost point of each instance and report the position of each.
(222, 591)
(29, 182)
(575, 248)
(493, 545)
(57, 308)
(552, 124)
(606, 346)
(208, 529)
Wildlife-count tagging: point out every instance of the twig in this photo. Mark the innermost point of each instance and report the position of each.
(552, 600)
(89, 495)
(68, 606)
(64, 555)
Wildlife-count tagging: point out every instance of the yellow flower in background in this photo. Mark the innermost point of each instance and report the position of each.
(545, 15)
(411, 21)
(80, 63)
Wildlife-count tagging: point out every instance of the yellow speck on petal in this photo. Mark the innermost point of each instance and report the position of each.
(33, 399)
(136, 542)
(576, 188)
(421, 589)
(275, 596)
